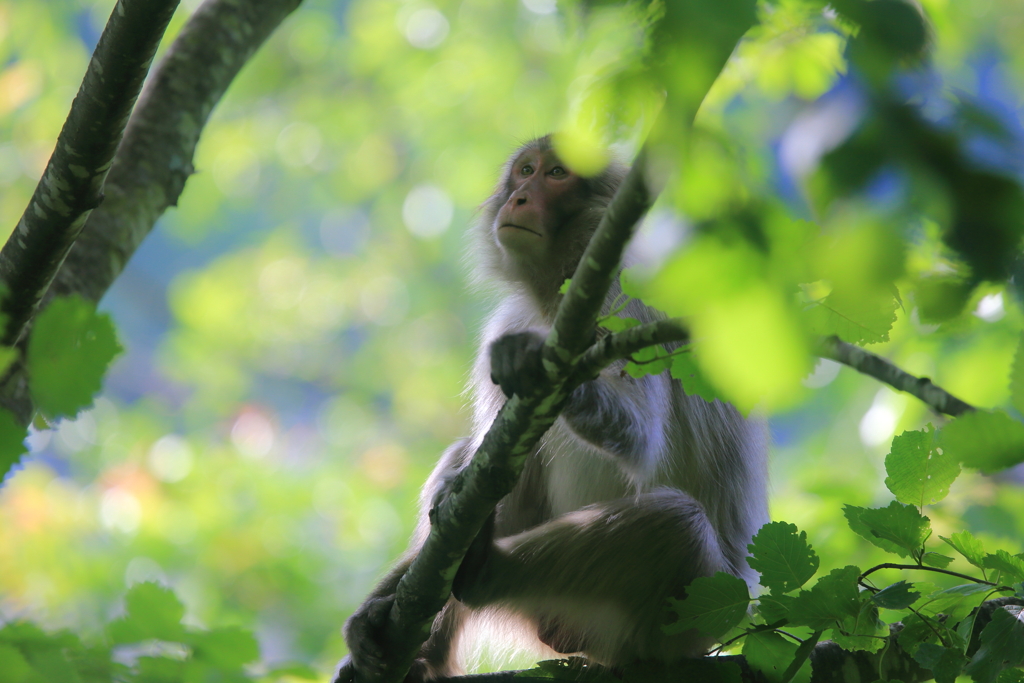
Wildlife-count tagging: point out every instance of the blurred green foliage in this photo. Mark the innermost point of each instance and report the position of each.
(297, 332)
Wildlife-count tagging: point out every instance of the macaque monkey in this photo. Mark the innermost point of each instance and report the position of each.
(634, 492)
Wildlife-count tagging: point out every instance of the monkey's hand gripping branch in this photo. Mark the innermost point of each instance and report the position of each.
(424, 588)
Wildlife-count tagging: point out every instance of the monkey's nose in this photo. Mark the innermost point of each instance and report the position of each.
(520, 201)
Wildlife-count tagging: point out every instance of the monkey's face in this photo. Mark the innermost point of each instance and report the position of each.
(542, 197)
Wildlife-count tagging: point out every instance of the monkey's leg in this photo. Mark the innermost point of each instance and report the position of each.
(595, 580)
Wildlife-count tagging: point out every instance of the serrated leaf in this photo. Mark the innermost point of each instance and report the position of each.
(770, 654)
(68, 354)
(898, 528)
(832, 599)
(774, 608)
(946, 663)
(933, 559)
(686, 370)
(783, 557)
(650, 361)
(897, 596)
(1011, 676)
(13, 664)
(1002, 645)
(713, 605)
(918, 629)
(967, 545)
(12, 441)
(919, 471)
(989, 441)
(955, 602)
(863, 631)
(1006, 564)
(856, 319)
(617, 323)
(570, 669)
(152, 612)
(227, 648)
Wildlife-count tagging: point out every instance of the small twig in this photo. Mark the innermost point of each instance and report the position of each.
(890, 565)
(881, 369)
(619, 345)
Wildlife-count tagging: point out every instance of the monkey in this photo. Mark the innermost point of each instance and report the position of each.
(636, 490)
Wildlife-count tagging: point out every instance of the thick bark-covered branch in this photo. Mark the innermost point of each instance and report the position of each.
(578, 311)
(154, 159)
(70, 186)
(882, 370)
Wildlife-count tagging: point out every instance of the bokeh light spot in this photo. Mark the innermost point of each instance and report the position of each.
(427, 211)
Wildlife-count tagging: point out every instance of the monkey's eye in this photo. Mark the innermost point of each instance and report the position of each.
(557, 172)
(527, 169)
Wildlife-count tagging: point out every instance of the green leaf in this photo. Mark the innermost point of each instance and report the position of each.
(617, 323)
(989, 441)
(946, 663)
(1006, 564)
(1011, 676)
(713, 605)
(226, 648)
(967, 545)
(12, 441)
(933, 559)
(770, 654)
(863, 631)
(152, 612)
(896, 596)
(571, 669)
(853, 317)
(956, 602)
(1002, 645)
(918, 629)
(832, 599)
(303, 671)
(1017, 377)
(686, 370)
(54, 666)
(783, 557)
(919, 471)
(803, 654)
(898, 528)
(68, 353)
(7, 356)
(650, 361)
(16, 669)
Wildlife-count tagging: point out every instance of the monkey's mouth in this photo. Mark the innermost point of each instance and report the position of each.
(519, 227)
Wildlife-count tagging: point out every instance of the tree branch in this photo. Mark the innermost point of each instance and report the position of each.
(619, 345)
(70, 186)
(578, 310)
(884, 371)
(154, 159)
